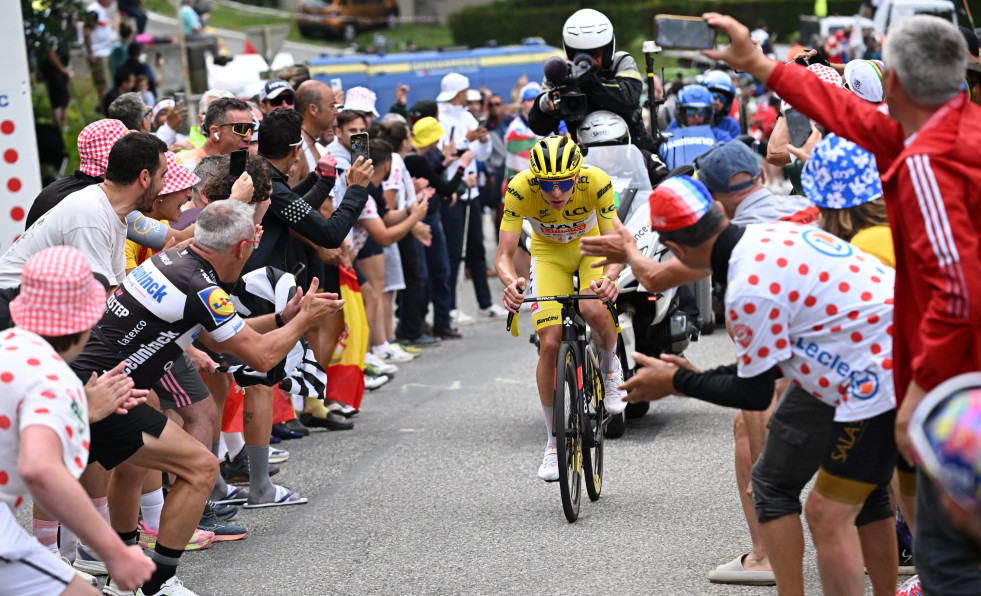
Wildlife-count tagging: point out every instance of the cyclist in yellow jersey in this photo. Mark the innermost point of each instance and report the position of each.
(564, 201)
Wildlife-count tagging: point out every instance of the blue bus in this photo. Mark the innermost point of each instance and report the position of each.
(495, 68)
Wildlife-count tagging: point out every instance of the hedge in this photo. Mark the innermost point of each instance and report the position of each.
(510, 21)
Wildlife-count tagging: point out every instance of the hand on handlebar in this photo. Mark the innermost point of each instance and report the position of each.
(605, 288)
(514, 294)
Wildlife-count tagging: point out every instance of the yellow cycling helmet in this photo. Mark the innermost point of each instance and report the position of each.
(555, 158)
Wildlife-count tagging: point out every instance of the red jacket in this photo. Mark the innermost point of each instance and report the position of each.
(932, 190)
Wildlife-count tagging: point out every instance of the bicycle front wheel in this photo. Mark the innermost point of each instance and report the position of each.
(568, 429)
(593, 413)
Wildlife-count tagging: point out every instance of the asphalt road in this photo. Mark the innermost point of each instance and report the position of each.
(435, 492)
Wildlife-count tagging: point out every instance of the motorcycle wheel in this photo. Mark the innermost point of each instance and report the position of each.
(615, 427)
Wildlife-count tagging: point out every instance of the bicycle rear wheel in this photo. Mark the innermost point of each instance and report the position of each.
(568, 430)
(593, 413)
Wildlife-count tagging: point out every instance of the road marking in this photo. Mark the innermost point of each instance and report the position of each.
(452, 387)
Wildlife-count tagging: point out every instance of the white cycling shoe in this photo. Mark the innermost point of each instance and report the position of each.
(613, 396)
(549, 470)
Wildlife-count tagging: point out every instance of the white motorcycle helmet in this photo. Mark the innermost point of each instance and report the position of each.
(588, 30)
(603, 128)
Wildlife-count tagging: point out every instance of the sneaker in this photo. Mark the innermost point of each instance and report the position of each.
(372, 382)
(86, 560)
(381, 367)
(910, 587)
(87, 578)
(237, 470)
(612, 394)
(200, 539)
(225, 512)
(171, 587)
(412, 350)
(113, 589)
(494, 311)
(342, 409)
(222, 530)
(461, 318)
(278, 456)
(424, 340)
(392, 353)
(549, 470)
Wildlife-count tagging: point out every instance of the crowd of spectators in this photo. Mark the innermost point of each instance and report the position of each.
(208, 317)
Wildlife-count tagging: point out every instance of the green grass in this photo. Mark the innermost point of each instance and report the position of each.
(422, 36)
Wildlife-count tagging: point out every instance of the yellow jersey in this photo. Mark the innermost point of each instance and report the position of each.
(591, 205)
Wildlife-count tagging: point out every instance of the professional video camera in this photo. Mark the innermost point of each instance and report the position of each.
(563, 77)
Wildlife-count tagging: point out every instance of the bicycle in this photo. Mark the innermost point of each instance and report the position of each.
(581, 451)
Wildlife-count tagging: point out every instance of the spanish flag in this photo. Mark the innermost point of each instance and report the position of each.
(345, 375)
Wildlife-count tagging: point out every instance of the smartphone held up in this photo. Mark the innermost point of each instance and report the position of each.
(677, 32)
(359, 146)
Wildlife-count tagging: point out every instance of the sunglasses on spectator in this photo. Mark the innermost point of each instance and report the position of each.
(254, 242)
(719, 96)
(147, 114)
(495, 104)
(242, 129)
(281, 99)
(703, 112)
(564, 185)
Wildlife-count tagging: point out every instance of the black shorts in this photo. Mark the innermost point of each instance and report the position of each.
(861, 456)
(57, 84)
(370, 249)
(180, 386)
(116, 438)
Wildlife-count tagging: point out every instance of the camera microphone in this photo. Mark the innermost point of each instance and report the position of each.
(556, 69)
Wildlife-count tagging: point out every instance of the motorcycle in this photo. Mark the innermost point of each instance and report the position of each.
(653, 323)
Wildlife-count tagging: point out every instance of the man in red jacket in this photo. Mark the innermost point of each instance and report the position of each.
(928, 151)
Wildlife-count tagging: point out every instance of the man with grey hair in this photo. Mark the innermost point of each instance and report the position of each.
(166, 303)
(130, 109)
(229, 126)
(928, 151)
(197, 135)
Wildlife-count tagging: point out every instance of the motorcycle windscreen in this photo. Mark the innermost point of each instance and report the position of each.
(686, 144)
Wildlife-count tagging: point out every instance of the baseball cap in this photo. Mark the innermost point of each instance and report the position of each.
(722, 161)
(95, 142)
(864, 78)
(678, 202)
(451, 85)
(474, 95)
(426, 131)
(58, 293)
(178, 176)
(273, 89)
(360, 99)
(840, 174)
(946, 435)
(530, 91)
(422, 109)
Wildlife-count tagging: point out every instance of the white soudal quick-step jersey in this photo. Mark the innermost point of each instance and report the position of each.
(820, 310)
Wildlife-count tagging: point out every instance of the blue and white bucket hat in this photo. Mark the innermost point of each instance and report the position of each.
(840, 174)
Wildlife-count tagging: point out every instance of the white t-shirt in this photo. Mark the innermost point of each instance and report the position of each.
(820, 310)
(37, 388)
(101, 35)
(400, 180)
(85, 220)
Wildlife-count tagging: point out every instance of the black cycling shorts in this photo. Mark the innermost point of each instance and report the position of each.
(370, 249)
(861, 456)
(180, 386)
(119, 436)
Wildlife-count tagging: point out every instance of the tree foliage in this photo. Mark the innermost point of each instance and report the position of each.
(50, 24)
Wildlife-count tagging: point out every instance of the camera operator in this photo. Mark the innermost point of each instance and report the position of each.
(595, 77)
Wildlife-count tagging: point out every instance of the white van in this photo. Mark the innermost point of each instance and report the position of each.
(890, 11)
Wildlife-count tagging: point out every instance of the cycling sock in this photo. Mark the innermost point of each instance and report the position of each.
(261, 489)
(46, 532)
(102, 506)
(235, 443)
(151, 504)
(220, 491)
(608, 360)
(129, 538)
(67, 542)
(166, 560)
(317, 407)
(548, 411)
